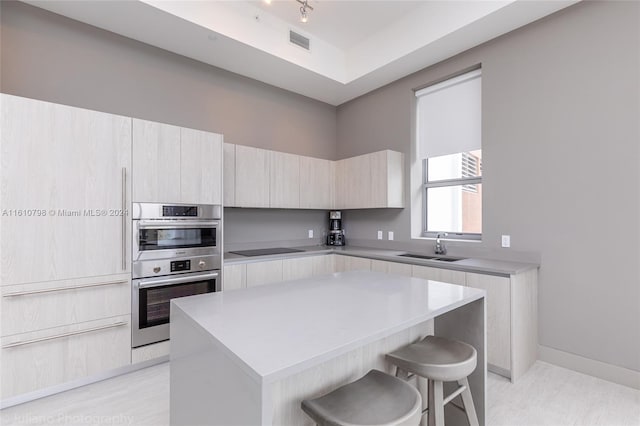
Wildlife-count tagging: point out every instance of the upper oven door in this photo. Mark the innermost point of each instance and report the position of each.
(160, 239)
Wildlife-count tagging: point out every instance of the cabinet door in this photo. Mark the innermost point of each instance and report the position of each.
(200, 167)
(350, 263)
(44, 358)
(260, 273)
(391, 267)
(65, 179)
(297, 268)
(387, 177)
(438, 274)
(156, 162)
(252, 177)
(356, 181)
(37, 306)
(498, 317)
(324, 264)
(284, 181)
(229, 174)
(235, 277)
(315, 183)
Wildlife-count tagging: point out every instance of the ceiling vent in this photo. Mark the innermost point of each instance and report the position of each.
(299, 40)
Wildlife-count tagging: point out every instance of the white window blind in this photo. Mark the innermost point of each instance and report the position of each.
(449, 116)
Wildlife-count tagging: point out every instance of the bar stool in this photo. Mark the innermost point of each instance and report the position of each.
(375, 399)
(439, 360)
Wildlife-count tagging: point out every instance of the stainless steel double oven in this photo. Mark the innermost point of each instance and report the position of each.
(176, 253)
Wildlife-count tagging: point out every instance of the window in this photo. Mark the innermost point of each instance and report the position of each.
(449, 146)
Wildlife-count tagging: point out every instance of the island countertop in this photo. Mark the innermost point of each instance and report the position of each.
(275, 331)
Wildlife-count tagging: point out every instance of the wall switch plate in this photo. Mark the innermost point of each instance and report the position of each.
(506, 241)
(310, 233)
(390, 235)
(379, 235)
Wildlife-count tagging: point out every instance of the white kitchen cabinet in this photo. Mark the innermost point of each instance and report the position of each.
(156, 162)
(200, 167)
(284, 180)
(229, 173)
(44, 358)
(316, 183)
(324, 264)
(234, 277)
(387, 177)
(391, 267)
(252, 177)
(373, 180)
(498, 303)
(37, 306)
(176, 165)
(260, 273)
(351, 263)
(297, 268)
(512, 320)
(353, 182)
(438, 274)
(65, 182)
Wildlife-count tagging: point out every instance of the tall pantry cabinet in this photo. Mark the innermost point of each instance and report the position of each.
(65, 260)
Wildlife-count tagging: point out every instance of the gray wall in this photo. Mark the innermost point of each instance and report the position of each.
(49, 57)
(561, 168)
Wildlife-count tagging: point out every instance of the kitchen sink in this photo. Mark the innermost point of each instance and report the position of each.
(428, 257)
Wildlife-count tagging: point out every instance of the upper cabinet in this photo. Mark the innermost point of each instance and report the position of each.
(260, 178)
(251, 177)
(373, 180)
(176, 165)
(284, 181)
(65, 179)
(316, 183)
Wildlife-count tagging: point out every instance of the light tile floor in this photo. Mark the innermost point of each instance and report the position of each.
(547, 395)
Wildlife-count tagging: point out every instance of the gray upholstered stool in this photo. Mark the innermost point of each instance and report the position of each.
(440, 360)
(375, 399)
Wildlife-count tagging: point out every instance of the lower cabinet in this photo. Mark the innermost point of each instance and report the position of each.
(391, 267)
(351, 263)
(437, 274)
(260, 273)
(44, 358)
(59, 331)
(234, 277)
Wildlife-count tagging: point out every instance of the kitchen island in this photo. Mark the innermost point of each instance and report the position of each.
(249, 357)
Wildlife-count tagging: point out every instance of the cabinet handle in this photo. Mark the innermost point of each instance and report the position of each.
(59, 336)
(51, 290)
(124, 218)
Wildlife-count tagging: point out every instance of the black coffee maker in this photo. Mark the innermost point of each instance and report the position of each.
(336, 233)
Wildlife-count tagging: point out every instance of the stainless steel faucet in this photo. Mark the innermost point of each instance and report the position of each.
(440, 247)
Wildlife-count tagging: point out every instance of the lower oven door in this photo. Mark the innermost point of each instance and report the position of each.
(150, 300)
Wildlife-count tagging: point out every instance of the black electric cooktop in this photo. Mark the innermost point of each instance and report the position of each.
(267, 251)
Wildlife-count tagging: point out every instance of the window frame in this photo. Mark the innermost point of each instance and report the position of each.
(426, 184)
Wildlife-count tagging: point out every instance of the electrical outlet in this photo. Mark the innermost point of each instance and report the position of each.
(506, 241)
(310, 233)
(379, 235)
(390, 235)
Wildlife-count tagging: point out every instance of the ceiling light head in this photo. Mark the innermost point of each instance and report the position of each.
(304, 10)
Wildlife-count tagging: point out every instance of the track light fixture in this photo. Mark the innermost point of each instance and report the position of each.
(304, 14)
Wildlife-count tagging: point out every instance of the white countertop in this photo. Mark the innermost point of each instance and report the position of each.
(470, 264)
(277, 330)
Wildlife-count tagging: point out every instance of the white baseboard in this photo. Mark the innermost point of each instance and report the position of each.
(601, 370)
(52, 390)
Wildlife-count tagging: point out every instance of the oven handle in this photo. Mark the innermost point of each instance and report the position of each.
(170, 281)
(154, 224)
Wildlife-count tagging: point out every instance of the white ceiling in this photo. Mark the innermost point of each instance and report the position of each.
(356, 46)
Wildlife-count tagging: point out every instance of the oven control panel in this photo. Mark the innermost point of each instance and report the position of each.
(180, 265)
